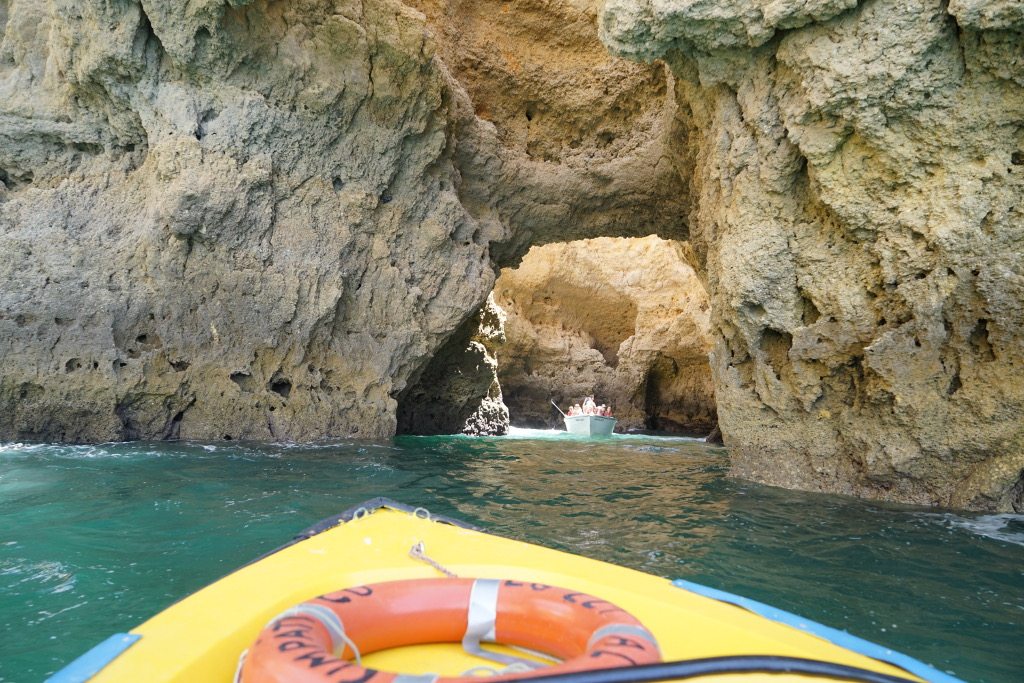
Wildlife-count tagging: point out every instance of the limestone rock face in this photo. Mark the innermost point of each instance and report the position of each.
(857, 188)
(255, 219)
(224, 220)
(458, 391)
(623, 319)
(564, 109)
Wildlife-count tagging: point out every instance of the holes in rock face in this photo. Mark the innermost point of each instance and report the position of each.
(61, 322)
(954, 385)
(72, 365)
(753, 311)
(172, 432)
(531, 111)
(1017, 158)
(979, 341)
(810, 314)
(281, 386)
(12, 179)
(30, 392)
(1017, 494)
(337, 184)
(656, 388)
(118, 364)
(180, 365)
(244, 381)
(202, 127)
(227, 437)
(776, 345)
(87, 147)
(385, 197)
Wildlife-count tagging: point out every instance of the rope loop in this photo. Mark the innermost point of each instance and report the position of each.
(417, 552)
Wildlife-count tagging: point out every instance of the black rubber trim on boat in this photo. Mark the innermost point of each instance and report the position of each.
(713, 666)
(369, 506)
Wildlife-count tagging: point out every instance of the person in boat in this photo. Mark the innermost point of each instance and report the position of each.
(589, 408)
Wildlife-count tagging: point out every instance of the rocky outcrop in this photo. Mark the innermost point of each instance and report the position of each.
(259, 220)
(564, 109)
(262, 220)
(857, 195)
(458, 392)
(623, 319)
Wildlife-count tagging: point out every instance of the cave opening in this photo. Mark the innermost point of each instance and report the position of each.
(625, 320)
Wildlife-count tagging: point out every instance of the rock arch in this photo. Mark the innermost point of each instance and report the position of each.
(322, 192)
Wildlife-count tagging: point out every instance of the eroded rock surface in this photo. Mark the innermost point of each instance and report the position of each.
(565, 110)
(253, 219)
(623, 319)
(458, 392)
(857, 179)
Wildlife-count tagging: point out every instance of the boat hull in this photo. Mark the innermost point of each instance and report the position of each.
(590, 425)
(201, 638)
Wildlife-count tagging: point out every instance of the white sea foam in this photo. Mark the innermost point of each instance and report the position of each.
(20, 448)
(1004, 527)
(54, 574)
(524, 433)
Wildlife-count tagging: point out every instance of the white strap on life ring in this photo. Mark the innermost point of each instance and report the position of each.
(483, 612)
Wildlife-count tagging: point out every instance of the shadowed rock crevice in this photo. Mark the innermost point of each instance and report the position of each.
(458, 391)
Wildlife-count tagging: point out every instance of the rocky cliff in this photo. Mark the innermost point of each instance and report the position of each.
(256, 219)
(624, 320)
(856, 172)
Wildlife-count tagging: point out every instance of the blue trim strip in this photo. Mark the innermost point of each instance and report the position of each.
(93, 661)
(834, 636)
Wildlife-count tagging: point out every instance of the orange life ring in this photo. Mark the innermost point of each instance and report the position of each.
(311, 641)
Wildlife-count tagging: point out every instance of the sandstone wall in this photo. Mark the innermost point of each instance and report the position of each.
(623, 319)
(257, 219)
(857, 179)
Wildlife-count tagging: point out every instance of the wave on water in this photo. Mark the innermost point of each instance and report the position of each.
(54, 574)
(19, 448)
(1006, 527)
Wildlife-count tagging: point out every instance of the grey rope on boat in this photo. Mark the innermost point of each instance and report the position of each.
(417, 552)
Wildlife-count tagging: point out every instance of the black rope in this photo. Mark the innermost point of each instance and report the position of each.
(692, 668)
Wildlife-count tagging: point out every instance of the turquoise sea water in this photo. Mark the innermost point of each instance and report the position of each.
(94, 539)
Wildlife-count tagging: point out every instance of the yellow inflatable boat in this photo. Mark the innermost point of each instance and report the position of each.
(384, 593)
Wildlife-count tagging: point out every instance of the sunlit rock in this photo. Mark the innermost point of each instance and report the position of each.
(623, 320)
